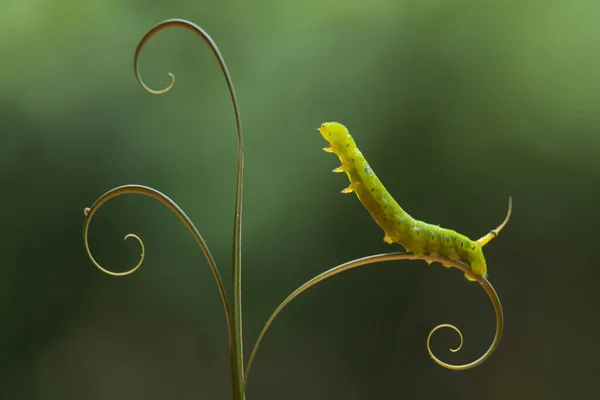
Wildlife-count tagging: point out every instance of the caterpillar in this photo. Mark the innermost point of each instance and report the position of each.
(399, 227)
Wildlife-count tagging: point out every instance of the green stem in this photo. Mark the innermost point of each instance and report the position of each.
(236, 344)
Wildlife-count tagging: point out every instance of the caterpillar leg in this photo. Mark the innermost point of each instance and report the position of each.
(387, 239)
(328, 149)
(452, 256)
(351, 187)
(469, 278)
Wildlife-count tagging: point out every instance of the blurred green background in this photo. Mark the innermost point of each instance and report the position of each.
(456, 105)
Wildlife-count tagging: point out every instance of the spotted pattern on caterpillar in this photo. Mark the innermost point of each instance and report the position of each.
(399, 227)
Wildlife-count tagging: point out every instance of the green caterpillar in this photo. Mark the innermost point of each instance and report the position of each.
(399, 227)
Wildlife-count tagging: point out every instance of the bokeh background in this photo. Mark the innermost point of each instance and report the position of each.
(456, 105)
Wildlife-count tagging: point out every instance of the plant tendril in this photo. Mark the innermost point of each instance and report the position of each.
(445, 326)
(400, 256)
(236, 349)
(155, 194)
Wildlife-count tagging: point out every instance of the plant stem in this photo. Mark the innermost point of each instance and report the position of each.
(237, 357)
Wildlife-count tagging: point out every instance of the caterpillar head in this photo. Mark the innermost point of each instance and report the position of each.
(337, 135)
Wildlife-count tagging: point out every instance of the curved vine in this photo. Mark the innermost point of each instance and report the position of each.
(489, 289)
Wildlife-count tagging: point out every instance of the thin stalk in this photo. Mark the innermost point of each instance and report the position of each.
(236, 344)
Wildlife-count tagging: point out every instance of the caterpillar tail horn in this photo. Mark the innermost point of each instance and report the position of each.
(494, 232)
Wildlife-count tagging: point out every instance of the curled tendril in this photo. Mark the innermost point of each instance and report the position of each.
(445, 326)
(129, 271)
(155, 194)
(235, 321)
(181, 23)
(400, 256)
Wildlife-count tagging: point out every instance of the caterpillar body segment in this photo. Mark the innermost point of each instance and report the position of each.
(415, 236)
